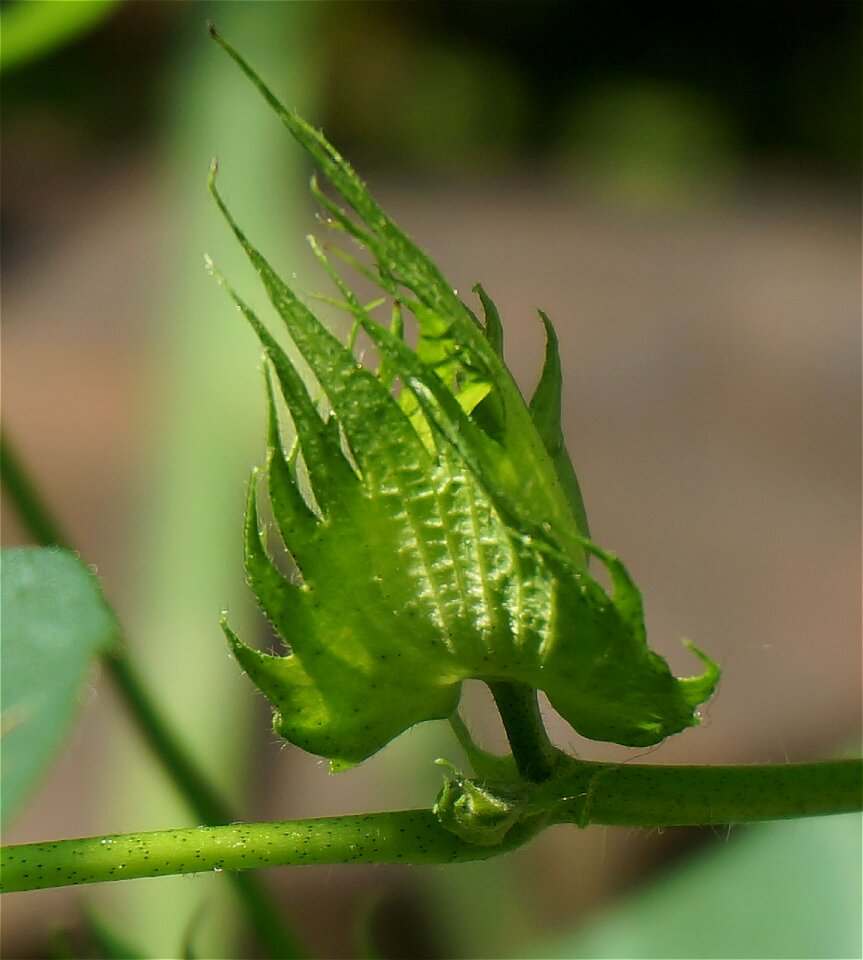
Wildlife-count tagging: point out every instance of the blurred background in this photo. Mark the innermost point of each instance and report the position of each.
(678, 186)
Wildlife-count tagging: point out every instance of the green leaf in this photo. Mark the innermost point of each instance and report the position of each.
(36, 28)
(55, 621)
(434, 519)
(111, 945)
(783, 890)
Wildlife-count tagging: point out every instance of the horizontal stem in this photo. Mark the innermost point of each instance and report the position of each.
(592, 793)
(676, 796)
(406, 836)
(180, 765)
(199, 793)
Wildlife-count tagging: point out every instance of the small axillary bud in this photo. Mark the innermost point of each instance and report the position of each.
(476, 811)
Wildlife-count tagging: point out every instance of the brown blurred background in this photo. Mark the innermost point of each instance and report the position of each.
(676, 185)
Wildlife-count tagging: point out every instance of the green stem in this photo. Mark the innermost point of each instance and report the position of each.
(486, 766)
(675, 796)
(407, 836)
(592, 793)
(180, 766)
(208, 806)
(200, 794)
(30, 506)
(534, 754)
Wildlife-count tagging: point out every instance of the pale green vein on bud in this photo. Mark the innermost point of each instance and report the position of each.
(433, 517)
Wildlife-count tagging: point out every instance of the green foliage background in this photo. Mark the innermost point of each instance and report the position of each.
(656, 109)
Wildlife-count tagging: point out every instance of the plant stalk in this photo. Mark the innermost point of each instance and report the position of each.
(534, 754)
(644, 795)
(593, 793)
(179, 765)
(31, 508)
(408, 836)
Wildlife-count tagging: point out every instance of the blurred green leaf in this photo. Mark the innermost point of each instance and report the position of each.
(60, 947)
(111, 945)
(32, 28)
(102, 942)
(188, 950)
(778, 890)
(367, 947)
(648, 144)
(54, 621)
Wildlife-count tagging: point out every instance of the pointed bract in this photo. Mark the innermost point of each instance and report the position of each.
(441, 535)
(545, 408)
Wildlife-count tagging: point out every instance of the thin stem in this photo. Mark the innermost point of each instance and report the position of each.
(486, 766)
(209, 807)
(30, 506)
(406, 836)
(194, 785)
(180, 766)
(675, 796)
(533, 752)
(593, 793)
(207, 804)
